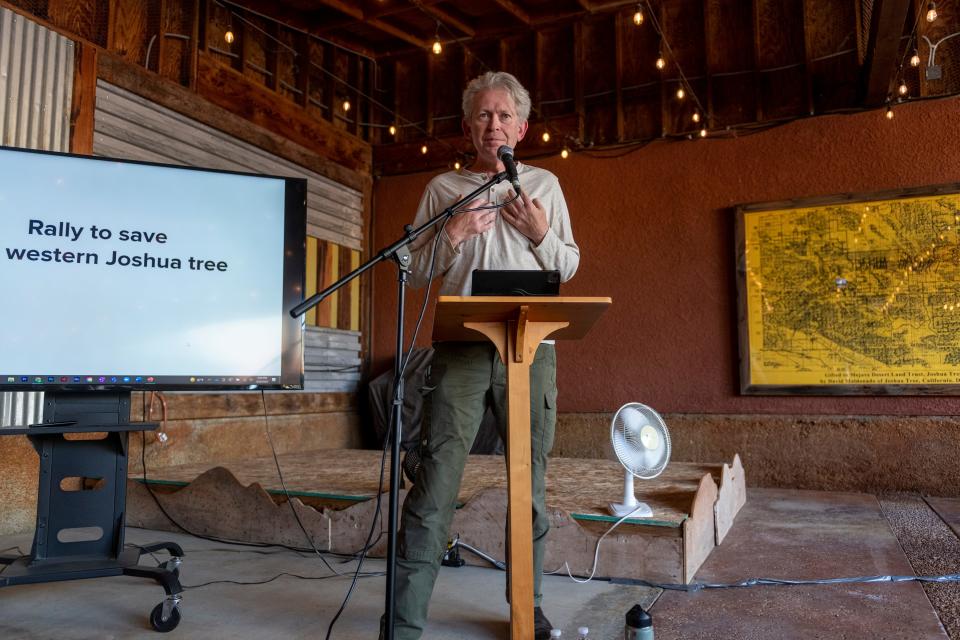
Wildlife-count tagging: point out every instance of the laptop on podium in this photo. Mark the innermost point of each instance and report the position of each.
(507, 282)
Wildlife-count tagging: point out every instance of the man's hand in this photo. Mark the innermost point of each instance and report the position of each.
(527, 216)
(464, 226)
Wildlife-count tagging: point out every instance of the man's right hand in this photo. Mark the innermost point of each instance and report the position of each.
(464, 226)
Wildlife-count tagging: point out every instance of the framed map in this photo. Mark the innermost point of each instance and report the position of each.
(852, 294)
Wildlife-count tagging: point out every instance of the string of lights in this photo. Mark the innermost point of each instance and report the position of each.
(685, 93)
(930, 14)
(398, 120)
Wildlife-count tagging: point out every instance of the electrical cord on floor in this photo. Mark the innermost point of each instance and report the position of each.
(371, 574)
(596, 553)
(283, 484)
(367, 544)
(694, 587)
(239, 543)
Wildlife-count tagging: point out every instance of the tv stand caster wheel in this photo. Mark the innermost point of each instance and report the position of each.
(166, 615)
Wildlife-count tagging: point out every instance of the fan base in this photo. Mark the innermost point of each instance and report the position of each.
(638, 510)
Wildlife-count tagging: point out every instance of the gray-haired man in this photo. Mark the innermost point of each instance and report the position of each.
(531, 232)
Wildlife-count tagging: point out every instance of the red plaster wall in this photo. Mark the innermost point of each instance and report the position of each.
(655, 229)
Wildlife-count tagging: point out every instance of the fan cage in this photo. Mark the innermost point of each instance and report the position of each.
(625, 451)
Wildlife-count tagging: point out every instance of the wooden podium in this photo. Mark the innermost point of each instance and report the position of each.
(517, 325)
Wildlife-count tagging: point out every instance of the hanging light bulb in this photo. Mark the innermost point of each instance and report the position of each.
(392, 130)
(931, 12)
(546, 136)
(456, 165)
(437, 47)
(681, 93)
(703, 132)
(903, 89)
(696, 116)
(565, 153)
(346, 105)
(228, 36)
(661, 63)
(889, 113)
(915, 59)
(638, 16)
(424, 149)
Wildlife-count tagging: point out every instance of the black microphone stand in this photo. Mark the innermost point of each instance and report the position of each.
(399, 253)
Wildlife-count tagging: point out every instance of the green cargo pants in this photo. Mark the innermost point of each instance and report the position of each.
(465, 378)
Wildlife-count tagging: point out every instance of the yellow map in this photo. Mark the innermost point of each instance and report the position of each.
(854, 293)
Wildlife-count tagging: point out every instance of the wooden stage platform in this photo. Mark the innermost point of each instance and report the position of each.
(694, 506)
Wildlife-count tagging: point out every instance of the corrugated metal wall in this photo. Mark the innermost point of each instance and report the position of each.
(129, 126)
(36, 87)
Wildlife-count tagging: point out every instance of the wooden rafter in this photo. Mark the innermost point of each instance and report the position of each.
(807, 55)
(388, 28)
(515, 9)
(618, 74)
(883, 49)
(708, 48)
(349, 8)
(579, 67)
(757, 56)
(296, 21)
(450, 20)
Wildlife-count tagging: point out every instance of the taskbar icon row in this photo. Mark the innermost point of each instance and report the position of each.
(143, 380)
(80, 379)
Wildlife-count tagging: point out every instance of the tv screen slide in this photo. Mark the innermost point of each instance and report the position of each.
(118, 274)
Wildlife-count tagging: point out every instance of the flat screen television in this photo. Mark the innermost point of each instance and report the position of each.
(120, 275)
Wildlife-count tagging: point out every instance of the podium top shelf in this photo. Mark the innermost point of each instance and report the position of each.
(453, 311)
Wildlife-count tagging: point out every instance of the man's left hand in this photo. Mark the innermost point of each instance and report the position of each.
(527, 216)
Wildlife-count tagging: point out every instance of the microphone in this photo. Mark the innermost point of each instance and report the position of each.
(505, 155)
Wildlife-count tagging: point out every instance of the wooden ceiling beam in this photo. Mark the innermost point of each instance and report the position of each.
(618, 74)
(349, 8)
(883, 49)
(517, 11)
(807, 25)
(757, 57)
(297, 22)
(450, 20)
(668, 58)
(398, 33)
(579, 66)
(708, 48)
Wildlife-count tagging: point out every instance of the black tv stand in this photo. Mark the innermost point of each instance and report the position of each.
(81, 500)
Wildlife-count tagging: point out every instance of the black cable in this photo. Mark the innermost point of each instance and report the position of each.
(367, 545)
(695, 587)
(376, 574)
(395, 407)
(283, 484)
(201, 536)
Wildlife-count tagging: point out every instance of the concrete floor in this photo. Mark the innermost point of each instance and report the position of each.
(779, 534)
(468, 602)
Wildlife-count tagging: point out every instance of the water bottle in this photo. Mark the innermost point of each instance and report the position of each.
(582, 633)
(639, 625)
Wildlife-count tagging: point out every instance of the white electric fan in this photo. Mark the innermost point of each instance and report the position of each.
(642, 444)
